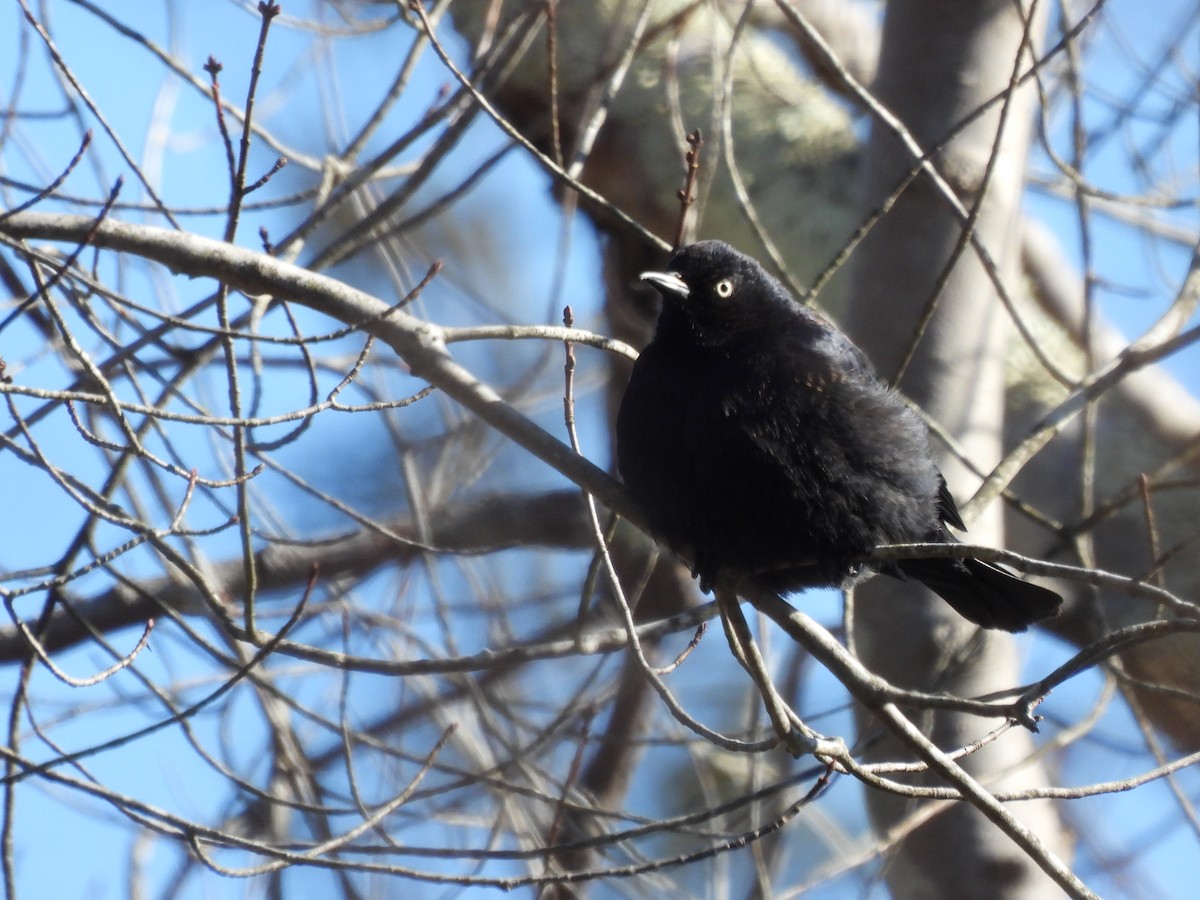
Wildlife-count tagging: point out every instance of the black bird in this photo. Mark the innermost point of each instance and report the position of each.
(759, 443)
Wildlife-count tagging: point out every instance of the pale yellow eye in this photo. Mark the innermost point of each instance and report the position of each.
(725, 288)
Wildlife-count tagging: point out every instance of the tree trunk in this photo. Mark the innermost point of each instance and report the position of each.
(940, 60)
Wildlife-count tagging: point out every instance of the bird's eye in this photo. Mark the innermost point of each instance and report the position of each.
(725, 288)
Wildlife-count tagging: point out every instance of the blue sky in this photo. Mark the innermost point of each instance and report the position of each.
(126, 85)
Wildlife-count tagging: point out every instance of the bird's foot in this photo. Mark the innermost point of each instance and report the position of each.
(704, 571)
(840, 571)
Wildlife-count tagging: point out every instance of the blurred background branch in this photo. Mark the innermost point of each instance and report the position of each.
(228, 357)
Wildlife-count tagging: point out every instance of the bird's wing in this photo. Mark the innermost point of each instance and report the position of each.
(827, 341)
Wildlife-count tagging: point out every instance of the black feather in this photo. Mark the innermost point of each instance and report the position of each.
(758, 442)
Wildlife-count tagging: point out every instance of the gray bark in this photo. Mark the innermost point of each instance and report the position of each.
(941, 59)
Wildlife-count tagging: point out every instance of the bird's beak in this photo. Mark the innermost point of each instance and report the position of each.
(667, 283)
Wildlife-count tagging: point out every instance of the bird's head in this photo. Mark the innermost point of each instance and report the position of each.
(717, 293)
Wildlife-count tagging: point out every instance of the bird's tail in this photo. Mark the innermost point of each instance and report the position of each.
(984, 593)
